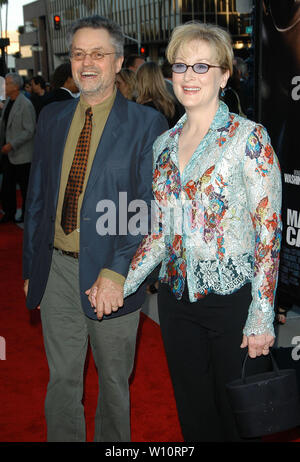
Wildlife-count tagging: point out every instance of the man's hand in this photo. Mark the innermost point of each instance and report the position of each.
(105, 296)
(26, 284)
(258, 344)
(25, 287)
(6, 148)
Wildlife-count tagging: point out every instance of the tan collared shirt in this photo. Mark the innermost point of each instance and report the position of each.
(101, 112)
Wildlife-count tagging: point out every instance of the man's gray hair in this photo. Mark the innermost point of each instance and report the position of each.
(16, 79)
(99, 22)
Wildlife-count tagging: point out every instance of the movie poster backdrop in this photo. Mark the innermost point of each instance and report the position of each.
(281, 116)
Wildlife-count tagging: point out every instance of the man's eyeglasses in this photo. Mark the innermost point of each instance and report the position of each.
(199, 68)
(96, 55)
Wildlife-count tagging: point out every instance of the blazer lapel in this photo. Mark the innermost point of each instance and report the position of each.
(110, 133)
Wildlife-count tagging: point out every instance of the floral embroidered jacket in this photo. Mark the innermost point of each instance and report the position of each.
(219, 223)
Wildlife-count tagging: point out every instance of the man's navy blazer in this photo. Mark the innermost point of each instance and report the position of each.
(122, 163)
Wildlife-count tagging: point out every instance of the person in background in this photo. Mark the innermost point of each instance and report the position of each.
(133, 62)
(88, 150)
(62, 84)
(167, 73)
(245, 84)
(17, 130)
(152, 90)
(231, 95)
(217, 186)
(126, 83)
(2, 99)
(39, 94)
(27, 89)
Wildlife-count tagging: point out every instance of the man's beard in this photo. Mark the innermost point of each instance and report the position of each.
(99, 88)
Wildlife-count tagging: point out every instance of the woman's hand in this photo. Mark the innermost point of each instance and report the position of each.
(258, 344)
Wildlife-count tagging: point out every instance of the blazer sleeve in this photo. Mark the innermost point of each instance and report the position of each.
(126, 246)
(28, 124)
(34, 202)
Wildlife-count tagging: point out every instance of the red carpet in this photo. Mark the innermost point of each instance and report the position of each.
(24, 372)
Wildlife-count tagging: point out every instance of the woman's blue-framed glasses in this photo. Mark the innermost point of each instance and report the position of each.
(199, 68)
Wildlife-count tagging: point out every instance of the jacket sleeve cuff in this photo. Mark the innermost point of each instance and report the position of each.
(260, 319)
(113, 276)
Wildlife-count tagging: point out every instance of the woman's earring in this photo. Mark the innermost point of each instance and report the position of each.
(222, 92)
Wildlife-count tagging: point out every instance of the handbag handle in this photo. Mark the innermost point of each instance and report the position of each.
(275, 366)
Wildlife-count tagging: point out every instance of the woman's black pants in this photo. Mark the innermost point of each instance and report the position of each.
(202, 343)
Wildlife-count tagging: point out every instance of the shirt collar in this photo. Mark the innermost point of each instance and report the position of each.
(99, 108)
(221, 117)
(66, 89)
(220, 120)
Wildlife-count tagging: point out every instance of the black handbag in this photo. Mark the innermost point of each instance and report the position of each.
(265, 403)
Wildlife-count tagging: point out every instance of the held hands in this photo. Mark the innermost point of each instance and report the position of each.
(258, 344)
(105, 296)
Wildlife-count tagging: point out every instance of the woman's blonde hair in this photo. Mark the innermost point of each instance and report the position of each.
(218, 38)
(128, 76)
(151, 87)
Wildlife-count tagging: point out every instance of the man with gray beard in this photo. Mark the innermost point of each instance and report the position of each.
(86, 151)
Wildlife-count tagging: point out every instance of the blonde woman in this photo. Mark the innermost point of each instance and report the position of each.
(152, 90)
(126, 83)
(219, 174)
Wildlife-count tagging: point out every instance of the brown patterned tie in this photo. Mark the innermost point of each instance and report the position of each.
(76, 176)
